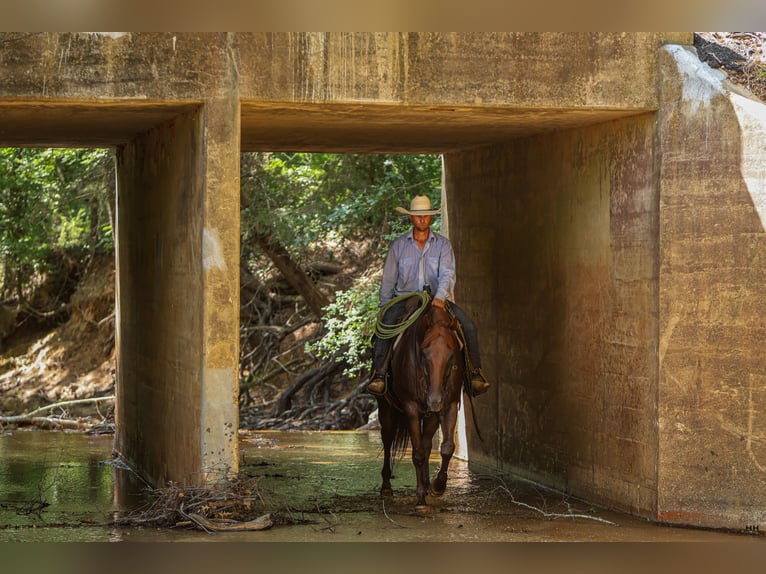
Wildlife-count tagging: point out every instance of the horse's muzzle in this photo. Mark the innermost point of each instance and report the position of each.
(434, 405)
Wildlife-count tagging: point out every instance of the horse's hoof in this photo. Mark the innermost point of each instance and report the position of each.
(387, 492)
(438, 487)
(421, 508)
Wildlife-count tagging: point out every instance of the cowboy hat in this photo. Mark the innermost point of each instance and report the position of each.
(420, 205)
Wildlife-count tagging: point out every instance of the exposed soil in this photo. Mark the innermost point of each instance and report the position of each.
(44, 363)
(741, 55)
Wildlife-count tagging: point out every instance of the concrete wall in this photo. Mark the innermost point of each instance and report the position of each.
(556, 239)
(712, 303)
(551, 70)
(606, 202)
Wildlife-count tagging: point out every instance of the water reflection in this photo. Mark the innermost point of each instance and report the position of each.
(62, 486)
(332, 470)
(52, 481)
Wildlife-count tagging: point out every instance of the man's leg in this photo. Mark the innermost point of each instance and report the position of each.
(377, 384)
(380, 348)
(479, 383)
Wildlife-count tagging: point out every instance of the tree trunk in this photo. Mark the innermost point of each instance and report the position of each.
(292, 273)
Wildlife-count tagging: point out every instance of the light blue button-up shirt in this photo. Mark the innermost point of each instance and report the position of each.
(407, 268)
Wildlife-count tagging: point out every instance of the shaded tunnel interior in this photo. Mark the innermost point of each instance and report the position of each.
(516, 179)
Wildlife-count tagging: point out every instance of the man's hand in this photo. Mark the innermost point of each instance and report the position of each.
(439, 303)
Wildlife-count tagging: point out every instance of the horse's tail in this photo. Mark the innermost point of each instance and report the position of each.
(401, 434)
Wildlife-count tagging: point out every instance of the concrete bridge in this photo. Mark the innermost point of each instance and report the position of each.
(606, 197)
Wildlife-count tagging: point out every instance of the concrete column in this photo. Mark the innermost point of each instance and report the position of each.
(220, 261)
(178, 296)
(712, 303)
(159, 327)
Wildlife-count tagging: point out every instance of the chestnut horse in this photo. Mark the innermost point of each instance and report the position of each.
(427, 371)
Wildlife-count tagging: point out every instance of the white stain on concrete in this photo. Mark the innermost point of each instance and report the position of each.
(667, 335)
(751, 115)
(220, 424)
(701, 83)
(113, 35)
(212, 253)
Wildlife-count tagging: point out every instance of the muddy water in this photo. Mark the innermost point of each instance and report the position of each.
(60, 487)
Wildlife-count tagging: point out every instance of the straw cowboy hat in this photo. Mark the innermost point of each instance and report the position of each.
(420, 205)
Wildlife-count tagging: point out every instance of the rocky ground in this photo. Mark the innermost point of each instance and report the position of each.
(75, 360)
(741, 55)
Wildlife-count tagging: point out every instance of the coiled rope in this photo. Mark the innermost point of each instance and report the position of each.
(385, 331)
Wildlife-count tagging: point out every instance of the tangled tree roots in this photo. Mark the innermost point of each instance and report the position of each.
(234, 505)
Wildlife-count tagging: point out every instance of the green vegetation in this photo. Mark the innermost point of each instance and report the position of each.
(304, 202)
(302, 199)
(53, 202)
(298, 211)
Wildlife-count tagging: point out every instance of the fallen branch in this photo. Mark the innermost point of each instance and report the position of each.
(280, 370)
(389, 518)
(553, 515)
(311, 376)
(261, 523)
(33, 418)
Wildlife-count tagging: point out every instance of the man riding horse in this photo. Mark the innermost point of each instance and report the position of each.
(421, 260)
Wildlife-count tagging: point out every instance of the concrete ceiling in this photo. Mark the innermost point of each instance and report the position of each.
(340, 128)
(399, 129)
(82, 124)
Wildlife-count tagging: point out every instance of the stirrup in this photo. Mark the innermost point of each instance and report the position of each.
(377, 385)
(479, 384)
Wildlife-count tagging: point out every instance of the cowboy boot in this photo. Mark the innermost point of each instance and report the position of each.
(479, 384)
(377, 384)
(381, 357)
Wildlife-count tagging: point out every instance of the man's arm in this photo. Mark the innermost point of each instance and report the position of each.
(388, 281)
(447, 273)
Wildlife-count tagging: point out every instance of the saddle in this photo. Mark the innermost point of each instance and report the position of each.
(411, 306)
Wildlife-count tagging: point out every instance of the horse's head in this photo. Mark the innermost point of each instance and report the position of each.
(441, 358)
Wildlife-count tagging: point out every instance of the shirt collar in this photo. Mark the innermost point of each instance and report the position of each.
(431, 235)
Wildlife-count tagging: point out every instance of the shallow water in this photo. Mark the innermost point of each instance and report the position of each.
(60, 486)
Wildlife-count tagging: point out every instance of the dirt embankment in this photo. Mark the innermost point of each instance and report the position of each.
(44, 362)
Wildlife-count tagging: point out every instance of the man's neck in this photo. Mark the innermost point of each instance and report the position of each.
(421, 236)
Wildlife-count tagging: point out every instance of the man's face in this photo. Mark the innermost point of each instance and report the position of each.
(421, 222)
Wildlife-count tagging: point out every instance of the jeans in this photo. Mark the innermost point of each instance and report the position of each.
(394, 313)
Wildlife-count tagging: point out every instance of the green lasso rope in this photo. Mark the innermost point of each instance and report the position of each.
(384, 331)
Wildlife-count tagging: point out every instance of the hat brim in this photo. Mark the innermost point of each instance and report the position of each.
(418, 211)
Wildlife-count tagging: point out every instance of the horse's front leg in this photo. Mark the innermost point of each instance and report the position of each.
(448, 424)
(430, 426)
(387, 418)
(419, 458)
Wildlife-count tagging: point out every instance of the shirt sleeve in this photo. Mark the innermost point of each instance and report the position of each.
(390, 272)
(446, 272)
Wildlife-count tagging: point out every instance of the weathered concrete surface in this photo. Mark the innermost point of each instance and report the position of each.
(419, 92)
(159, 324)
(712, 304)
(403, 92)
(613, 263)
(556, 236)
(220, 288)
